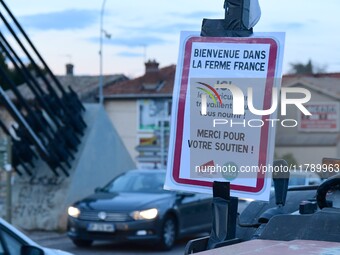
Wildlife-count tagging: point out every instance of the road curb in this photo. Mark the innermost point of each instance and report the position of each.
(38, 236)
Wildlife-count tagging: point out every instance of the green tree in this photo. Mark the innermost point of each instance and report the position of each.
(5, 68)
(309, 68)
(14, 74)
(290, 159)
(300, 68)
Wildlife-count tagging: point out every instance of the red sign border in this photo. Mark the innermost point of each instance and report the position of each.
(266, 104)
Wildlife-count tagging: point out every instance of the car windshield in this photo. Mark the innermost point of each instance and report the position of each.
(297, 181)
(304, 178)
(144, 182)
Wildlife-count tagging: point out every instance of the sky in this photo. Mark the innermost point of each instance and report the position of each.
(67, 31)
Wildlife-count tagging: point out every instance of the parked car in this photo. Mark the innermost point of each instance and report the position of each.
(135, 207)
(14, 242)
(304, 178)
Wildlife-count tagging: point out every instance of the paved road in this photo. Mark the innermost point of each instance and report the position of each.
(61, 241)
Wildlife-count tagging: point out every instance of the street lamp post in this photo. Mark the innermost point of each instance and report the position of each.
(101, 54)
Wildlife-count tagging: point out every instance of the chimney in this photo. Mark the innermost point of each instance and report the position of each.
(151, 66)
(152, 79)
(69, 69)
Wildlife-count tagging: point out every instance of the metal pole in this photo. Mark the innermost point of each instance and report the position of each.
(101, 54)
(8, 169)
(60, 87)
(162, 142)
(16, 114)
(163, 133)
(9, 196)
(68, 115)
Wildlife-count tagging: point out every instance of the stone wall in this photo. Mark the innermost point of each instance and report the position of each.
(40, 201)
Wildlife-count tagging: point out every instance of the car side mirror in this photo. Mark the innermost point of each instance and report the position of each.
(185, 194)
(31, 250)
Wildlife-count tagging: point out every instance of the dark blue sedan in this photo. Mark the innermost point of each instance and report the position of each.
(135, 207)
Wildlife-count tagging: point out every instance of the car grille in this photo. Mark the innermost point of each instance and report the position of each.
(110, 216)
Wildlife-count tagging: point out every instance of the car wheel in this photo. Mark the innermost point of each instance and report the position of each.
(82, 243)
(168, 237)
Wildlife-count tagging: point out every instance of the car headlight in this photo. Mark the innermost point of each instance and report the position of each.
(73, 211)
(145, 214)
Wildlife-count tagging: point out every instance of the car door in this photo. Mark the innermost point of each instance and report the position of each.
(194, 211)
(9, 243)
(204, 210)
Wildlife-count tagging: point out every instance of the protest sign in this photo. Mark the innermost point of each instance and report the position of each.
(224, 113)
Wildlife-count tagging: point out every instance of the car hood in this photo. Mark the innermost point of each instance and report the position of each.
(120, 201)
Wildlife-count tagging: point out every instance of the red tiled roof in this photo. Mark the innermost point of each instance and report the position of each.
(162, 79)
(327, 83)
(288, 78)
(86, 86)
(317, 75)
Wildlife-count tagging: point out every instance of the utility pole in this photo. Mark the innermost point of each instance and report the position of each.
(6, 164)
(101, 54)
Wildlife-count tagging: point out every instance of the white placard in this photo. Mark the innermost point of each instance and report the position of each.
(207, 148)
